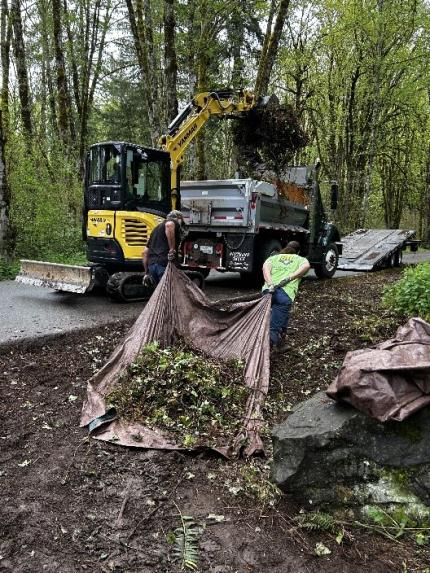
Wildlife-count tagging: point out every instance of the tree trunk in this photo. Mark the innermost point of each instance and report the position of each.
(5, 246)
(21, 68)
(49, 90)
(170, 61)
(5, 39)
(236, 38)
(269, 55)
(192, 33)
(65, 123)
(140, 44)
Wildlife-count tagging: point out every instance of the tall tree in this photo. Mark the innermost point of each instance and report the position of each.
(170, 60)
(270, 47)
(64, 100)
(21, 67)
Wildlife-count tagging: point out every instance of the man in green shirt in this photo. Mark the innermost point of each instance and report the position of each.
(282, 273)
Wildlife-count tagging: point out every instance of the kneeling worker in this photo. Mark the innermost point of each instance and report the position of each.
(282, 273)
(162, 246)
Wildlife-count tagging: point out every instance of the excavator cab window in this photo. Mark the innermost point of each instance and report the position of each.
(105, 165)
(147, 180)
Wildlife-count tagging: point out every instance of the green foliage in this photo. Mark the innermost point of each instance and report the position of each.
(411, 294)
(185, 542)
(8, 269)
(396, 522)
(319, 521)
(184, 392)
(46, 205)
(256, 484)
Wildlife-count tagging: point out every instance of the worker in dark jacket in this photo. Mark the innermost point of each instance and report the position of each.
(162, 246)
(282, 273)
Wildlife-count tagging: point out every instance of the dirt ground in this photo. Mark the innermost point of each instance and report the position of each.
(71, 504)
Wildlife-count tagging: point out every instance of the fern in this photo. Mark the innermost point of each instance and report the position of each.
(186, 538)
(318, 521)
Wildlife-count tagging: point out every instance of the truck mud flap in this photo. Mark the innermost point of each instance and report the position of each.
(68, 278)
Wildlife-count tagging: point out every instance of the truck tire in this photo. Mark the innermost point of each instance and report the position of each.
(262, 252)
(328, 267)
(269, 248)
(197, 278)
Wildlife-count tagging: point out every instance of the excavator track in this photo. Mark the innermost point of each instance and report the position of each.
(128, 287)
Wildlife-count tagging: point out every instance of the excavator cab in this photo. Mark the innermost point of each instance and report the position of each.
(127, 194)
(125, 176)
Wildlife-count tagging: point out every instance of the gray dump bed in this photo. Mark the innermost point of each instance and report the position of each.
(239, 204)
(366, 249)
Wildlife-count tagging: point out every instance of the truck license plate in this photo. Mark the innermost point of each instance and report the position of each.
(206, 249)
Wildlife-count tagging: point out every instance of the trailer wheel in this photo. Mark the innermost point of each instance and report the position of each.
(394, 260)
(398, 258)
(328, 267)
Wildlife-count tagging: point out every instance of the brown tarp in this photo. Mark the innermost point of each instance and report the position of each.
(391, 380)
(221, 329)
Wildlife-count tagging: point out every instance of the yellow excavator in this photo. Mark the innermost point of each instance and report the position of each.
(128, 190)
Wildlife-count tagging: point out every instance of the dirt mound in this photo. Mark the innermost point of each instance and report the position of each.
(266, 140)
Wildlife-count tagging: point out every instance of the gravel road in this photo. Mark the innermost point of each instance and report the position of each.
(28, 312)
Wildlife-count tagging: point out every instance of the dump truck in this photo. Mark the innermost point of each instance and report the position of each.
(373, 249)
(235, 224)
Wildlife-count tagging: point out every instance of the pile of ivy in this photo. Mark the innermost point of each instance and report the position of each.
(198, 399)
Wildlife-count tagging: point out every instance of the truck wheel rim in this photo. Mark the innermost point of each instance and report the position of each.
(330, 260)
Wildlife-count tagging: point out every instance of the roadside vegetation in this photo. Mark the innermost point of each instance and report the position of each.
(411, 294)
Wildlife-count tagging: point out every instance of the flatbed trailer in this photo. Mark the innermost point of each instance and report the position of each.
(372, 249)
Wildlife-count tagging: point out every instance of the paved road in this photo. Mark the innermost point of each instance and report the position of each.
(28, 312)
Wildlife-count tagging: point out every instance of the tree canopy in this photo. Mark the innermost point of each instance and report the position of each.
(73, 72)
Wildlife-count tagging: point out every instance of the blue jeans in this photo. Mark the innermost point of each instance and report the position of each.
(156, 271)
(281, 305)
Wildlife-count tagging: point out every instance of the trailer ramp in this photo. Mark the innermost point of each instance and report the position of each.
(367, 249)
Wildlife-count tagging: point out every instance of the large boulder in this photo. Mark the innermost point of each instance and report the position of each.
(325, 452)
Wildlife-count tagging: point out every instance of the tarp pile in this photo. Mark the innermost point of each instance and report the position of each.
(390, 381)
(221, 329)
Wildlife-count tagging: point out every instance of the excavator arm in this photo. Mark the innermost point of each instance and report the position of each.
(184, 128)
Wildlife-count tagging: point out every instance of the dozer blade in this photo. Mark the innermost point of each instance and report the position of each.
(68, 278)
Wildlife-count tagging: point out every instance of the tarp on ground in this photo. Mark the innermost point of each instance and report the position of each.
(391, 380)
(221, 329)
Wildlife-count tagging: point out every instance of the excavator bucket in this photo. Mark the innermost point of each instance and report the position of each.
(68, 278)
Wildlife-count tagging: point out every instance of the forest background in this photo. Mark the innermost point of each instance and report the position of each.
(75, 72)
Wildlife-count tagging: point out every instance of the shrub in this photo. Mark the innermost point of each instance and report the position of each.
(8, 269)
(411, 294)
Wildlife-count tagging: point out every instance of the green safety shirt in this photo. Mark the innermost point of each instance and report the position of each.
(282, 266)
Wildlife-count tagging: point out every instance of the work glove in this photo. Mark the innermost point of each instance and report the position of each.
(284, 282)
(148, 281)
(171, 256)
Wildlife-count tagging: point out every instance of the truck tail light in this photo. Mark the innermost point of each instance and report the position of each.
(188, 246)
(218, 249)
(254, 196)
